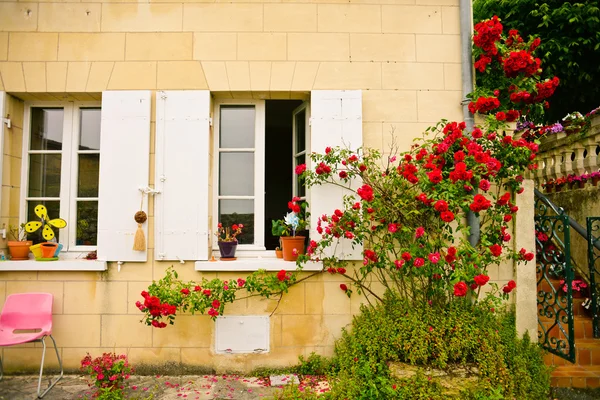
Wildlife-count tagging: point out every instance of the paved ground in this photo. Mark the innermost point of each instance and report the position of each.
(222, 387)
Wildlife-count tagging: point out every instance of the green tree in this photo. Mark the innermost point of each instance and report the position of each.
(570, 48)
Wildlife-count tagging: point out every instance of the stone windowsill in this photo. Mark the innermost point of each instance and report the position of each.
(58, 265)
(254, 264)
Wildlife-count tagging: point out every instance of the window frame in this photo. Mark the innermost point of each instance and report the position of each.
(259, 176)
(69, 168)
(305, 106)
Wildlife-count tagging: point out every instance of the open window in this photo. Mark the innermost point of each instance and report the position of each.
(258, 144)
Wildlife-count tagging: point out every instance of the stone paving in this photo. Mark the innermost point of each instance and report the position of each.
(221, 387)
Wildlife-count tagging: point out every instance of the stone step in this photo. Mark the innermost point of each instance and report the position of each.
(583, 327)
(576, 376)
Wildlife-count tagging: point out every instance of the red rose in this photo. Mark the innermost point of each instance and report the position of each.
(440, 206)
(216, 303)
(343, 174)
(500, 116)
(481, 279)
(419, 262)
(460, 289)
(496, 250)
(435, 176)
(300, 169)
(509, 287)
(366, 192)
(197, 288)
(282, 275)
(206, 292)
(406, 256)
(343, 287)
(185, 291)
(447, 216)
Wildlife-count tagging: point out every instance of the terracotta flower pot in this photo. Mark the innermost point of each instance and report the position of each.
(48, 249)
(595, 181)
(227, 249)
(289, 243)
(19, 250)
(279, 253)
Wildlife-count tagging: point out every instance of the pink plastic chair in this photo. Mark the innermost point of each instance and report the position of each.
(29, 312)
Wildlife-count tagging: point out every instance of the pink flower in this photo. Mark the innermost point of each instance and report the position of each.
(419, 262)
(484, 185)
(420, 231)
(434, 258)
(399, 263)
(392, 228)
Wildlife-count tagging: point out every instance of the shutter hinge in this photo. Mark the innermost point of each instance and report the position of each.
(310, 120)
(161, 256)
(149, 190)
(7, 122)
(210, 121)
(163, 95)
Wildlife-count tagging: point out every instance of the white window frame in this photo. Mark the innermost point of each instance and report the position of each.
(258, 248)
(69, 169)
(295, 153)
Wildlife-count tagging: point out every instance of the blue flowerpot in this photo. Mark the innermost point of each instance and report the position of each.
(227, 249)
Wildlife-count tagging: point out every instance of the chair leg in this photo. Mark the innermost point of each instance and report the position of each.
(52, 383)
(1, 369)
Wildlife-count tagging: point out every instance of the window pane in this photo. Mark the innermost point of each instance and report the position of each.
(300, 188)
(53, 208)
(237, 127)
(300, 131)
(89, 165)
(238, 212)
(44, 175)
(89, 129)
(46, 128)
(87, 223)
(236, 174)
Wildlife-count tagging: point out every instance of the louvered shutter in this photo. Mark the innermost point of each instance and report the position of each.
(124, 169)
(336, 120)
(182, 171)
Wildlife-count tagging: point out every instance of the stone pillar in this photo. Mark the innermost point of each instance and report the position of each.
(525, 275)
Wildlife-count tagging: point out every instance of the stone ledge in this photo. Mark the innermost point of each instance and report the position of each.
(59, 265)
(254, 264)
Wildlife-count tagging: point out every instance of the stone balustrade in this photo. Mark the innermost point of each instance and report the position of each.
(561, 155)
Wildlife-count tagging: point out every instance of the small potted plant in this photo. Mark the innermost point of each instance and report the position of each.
(548, 185)
(294, 221)
(19, 247)
(559, 183)
(227, 240)
(107, 374)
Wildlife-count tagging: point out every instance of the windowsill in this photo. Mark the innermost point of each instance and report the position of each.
(254, 264)
(58, 265)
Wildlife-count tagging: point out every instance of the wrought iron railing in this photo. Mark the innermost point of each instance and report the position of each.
(556, 331)
(593, 240)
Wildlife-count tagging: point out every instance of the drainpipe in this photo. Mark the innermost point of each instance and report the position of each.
(466, 30)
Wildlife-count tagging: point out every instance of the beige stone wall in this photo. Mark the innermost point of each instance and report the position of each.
(403, 54)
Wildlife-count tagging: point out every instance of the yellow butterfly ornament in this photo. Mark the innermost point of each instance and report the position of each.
(47, 232)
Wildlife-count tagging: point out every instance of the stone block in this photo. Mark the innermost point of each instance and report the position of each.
(390, 105)
(159, 46)
(12, 77)
(349, 18)
(282, 74)
(76, 330)
(32, 47)
(326, 298)
(181, 75)
(348, 75)
(333, 325)
(2, 293)
(55, 288)
(303, 330)
(91, 47)
(238, 74)
(93, 297)
(290, 17)
(293, 301)
(372, 135)
(99, 76)
(411, 19)
(154, 356)
(223, 17)
(125, 331)
(413, 76)
(318, 46)
(304, 76)
(452, 76)
(438, 48)
(188, 331)
(402, 134)
(3, 46)
(260, 76)
(77, 76)
(262, 46)
(215, 46)
(69, 17)
(197, 357)
(35, 76)
(140, 17)
(216, 75)
(435, 105)
(15, 169)
(133, 75)
(133, 271)
(382, 47)
(450, 20)
(69, 276)
(437, 2)
(18, 359)
(56, 76)
(18, 17)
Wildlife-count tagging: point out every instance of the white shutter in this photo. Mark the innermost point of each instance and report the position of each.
(182, 171)
(2, 133)
(124, 169)
(336, 120)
